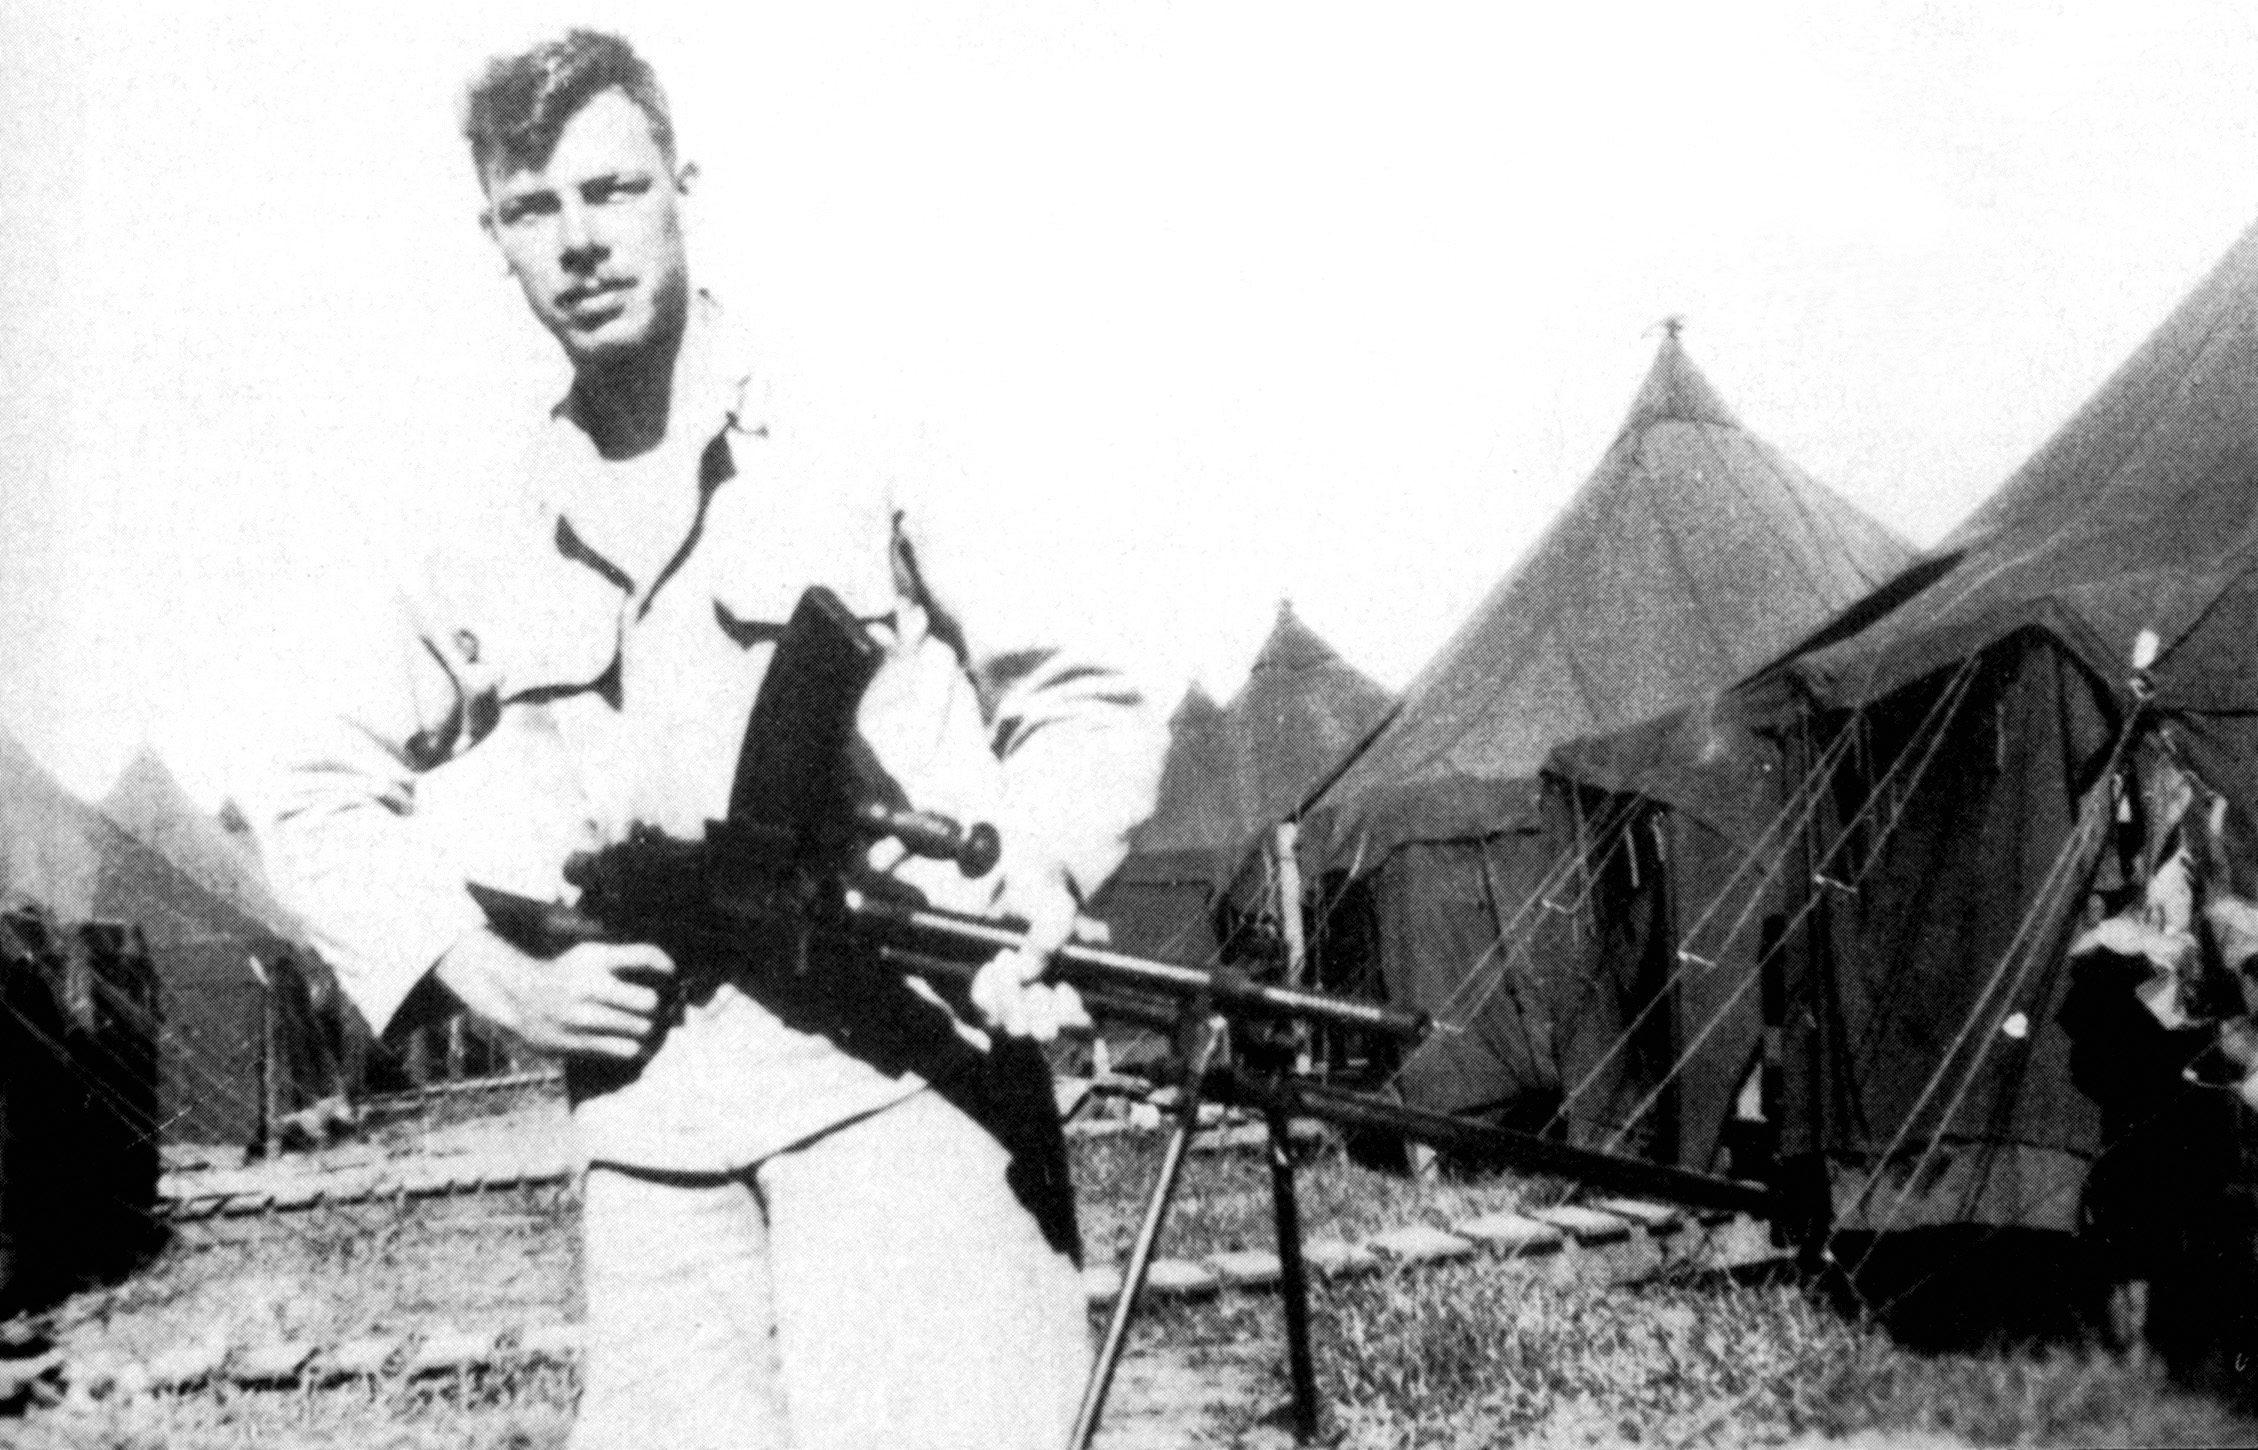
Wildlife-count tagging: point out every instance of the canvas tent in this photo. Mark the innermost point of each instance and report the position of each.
(1694, 553)
(1157, 902)
(1301, 712)
(64, 857)
(1655, 1008)
(321, 1045)
(152, 806)
(1230, 772)
(1967, 769)
(78, 1105)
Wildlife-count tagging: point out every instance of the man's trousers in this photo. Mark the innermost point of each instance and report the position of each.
(882, 1284)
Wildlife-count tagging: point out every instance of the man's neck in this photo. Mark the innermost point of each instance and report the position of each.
(624, 402)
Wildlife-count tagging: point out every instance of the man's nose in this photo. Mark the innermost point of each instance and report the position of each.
(578, 246)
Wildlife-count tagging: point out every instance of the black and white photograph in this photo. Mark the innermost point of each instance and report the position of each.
(885, 726)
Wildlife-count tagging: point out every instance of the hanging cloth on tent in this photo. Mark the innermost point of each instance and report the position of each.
(2190, 941)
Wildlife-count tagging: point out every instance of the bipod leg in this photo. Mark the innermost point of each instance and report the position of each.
(1211, 1034)
(1293, 1277)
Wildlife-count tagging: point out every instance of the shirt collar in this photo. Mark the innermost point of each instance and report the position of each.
(716, 391)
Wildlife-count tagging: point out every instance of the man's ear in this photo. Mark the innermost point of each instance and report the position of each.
(686, 183)
(494, 235)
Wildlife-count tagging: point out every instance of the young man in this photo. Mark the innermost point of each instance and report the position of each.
(808, 1218)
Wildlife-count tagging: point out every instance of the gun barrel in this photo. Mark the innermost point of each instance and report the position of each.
(1098, 967)
(1105, 1002)
(1350, 1108)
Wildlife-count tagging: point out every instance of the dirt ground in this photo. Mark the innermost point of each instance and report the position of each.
(396, 1274)
(482, 1265)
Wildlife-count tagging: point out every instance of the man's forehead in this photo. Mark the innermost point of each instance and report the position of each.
(607, 135)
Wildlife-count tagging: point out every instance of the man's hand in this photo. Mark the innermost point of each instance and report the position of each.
(598, 999)
(1009, 990)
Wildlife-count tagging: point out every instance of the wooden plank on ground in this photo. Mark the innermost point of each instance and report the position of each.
(1246, 1268)
(1101, 1283)
(270, 1364)
(1336, 1259)
(302, 1193)
(446, 1350)
(1510, 1233)
(1587, 1226)
(366, 1357)
(553, 1341)
(1655, 1218)
(1180, 1279)
(1418, 1243)
(187, 1366)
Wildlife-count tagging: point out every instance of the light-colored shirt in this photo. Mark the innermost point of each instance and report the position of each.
(587, 661)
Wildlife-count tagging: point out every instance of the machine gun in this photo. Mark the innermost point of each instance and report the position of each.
(804, 802)
(782, 868)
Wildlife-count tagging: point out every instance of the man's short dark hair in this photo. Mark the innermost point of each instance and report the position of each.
(518, 107)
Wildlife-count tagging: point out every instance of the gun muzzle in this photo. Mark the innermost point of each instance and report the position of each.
(974, 848)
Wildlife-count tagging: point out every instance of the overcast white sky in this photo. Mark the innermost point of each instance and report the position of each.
(1255, 300)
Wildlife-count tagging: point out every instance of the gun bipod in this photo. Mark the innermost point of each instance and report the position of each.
(1209, 1032)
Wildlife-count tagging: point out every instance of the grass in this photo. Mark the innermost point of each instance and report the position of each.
(1467, 1356)
(492, 1260)
(523, 1408)
(1484, 1353)
(1223, 1201)
(1471, 1354)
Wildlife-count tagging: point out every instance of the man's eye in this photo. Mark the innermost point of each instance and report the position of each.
(615, 188)
(525, 208)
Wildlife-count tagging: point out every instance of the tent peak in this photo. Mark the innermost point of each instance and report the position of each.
(1675, 390)
(1692, 554)
(146, 770)
(1293, 645)
(1196, 704)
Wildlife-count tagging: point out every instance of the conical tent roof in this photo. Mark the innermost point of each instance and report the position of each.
(1955, 826)
(1300, 713)
(1234, 770)
(62, 854)
(153, 807)
(2137, 514)
(1694, 554)
(2141, 513)
(52, 845)
(1198, 814)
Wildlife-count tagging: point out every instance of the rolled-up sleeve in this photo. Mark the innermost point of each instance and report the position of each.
(1072, 719)
(346, 845)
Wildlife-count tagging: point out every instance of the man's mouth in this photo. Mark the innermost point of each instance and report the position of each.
(595, 296)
